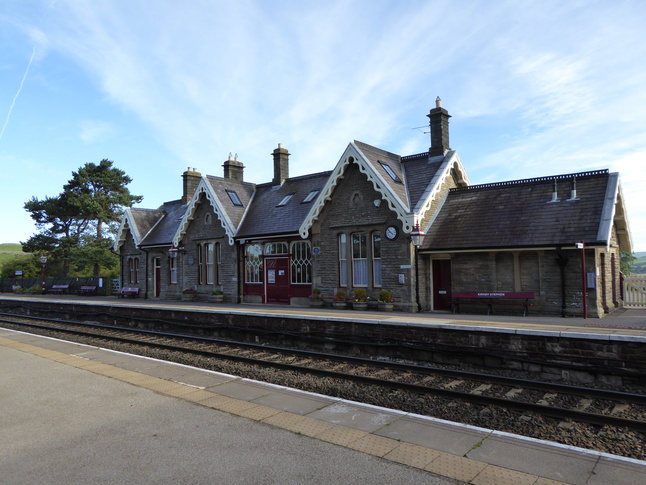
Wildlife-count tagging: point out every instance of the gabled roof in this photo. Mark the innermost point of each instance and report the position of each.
(522, 213)
(139, 222)
(162, 233)
(216, 190)
(266, 216)
(408, 184)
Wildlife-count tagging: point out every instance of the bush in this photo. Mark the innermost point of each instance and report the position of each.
(385, 296)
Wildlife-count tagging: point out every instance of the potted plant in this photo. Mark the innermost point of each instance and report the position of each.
(385, 301)
(217, 296)
(360, 299)
(316, 300)
(189, 294)
(339, 300)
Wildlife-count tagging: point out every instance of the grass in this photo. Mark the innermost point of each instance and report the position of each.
(10, 248)
(9, 251)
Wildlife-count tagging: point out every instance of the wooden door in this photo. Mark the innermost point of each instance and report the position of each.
(277, 280)
(441, 284)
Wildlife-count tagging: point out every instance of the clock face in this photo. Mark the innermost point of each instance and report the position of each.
(391, 232)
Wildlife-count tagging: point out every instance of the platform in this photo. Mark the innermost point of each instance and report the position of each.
(621, 323)
(78, 414)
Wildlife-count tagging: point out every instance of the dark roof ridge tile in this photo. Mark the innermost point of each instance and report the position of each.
(547, 178)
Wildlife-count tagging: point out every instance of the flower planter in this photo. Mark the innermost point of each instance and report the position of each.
(386, 307)
(189, 296)
(217, 298)
(339, 305)
(360, 305)
(316, 303)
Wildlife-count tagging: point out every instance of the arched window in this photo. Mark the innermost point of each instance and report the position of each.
(275, 248)
(376, 259)
(343, 260)
(301, 262)
(253, 263)
(360, 259)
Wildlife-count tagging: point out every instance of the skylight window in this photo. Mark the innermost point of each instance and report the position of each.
(310, 197)
(390, 172)
(235, 200)
(285, 200)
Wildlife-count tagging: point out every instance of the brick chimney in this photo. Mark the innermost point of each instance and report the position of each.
(233, 168)
(191, 180)
(439, 120)
(281, 165)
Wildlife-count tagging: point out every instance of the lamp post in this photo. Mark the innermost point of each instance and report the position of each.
(417, 238)
(43, 260)
(581, 246)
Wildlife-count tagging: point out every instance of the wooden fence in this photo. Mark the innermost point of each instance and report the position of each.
(635, 291)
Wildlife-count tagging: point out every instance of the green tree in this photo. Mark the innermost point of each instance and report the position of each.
(29, 264)
(626, 262)
(76, 227)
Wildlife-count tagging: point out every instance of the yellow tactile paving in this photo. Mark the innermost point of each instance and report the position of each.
(374, 445)
(310, 427)
(226, 404)
(495, 475)
(412, 455)
(455, 467)
(547, 481)
(258, 413)
(284, 420)
(340, 435)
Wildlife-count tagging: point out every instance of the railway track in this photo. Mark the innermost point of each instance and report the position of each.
(591, 406)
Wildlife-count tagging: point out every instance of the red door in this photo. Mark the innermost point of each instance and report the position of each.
(277, 278)
(441, 284)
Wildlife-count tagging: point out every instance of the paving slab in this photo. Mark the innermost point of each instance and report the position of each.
(435, 434)
(355, 417)
(536, 457)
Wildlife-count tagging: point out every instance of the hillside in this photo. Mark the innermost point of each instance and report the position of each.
(10, 248)
(639, 266)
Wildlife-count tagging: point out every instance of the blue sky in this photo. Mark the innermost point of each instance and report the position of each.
(534, 88)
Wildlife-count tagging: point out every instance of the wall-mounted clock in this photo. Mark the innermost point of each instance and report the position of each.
(392, 232)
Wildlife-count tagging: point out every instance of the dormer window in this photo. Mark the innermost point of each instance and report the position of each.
(390, 172)
(285, 200)
(235, 200)
(310, 197)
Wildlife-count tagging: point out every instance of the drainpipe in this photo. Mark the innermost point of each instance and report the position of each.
(146, 292)
(562, 261)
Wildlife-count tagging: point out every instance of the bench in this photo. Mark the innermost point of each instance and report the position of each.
(86, 290)
(59, 288)
(491, 298)
(131, 292)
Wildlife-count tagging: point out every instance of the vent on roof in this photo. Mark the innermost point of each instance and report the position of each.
(534, 180)
(390, 171)
(235, 200)
(285, 200)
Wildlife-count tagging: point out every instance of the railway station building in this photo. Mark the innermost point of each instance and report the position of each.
(413, 225)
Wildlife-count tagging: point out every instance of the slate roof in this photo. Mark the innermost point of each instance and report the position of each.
(415, 172)
(265, 218)
(163, 232)
(244, 190)
(520, 214)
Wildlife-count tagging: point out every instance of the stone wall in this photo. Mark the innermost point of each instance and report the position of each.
(351, 210)
(206, 228)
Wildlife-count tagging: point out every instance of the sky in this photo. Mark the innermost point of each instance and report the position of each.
(534, 88)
